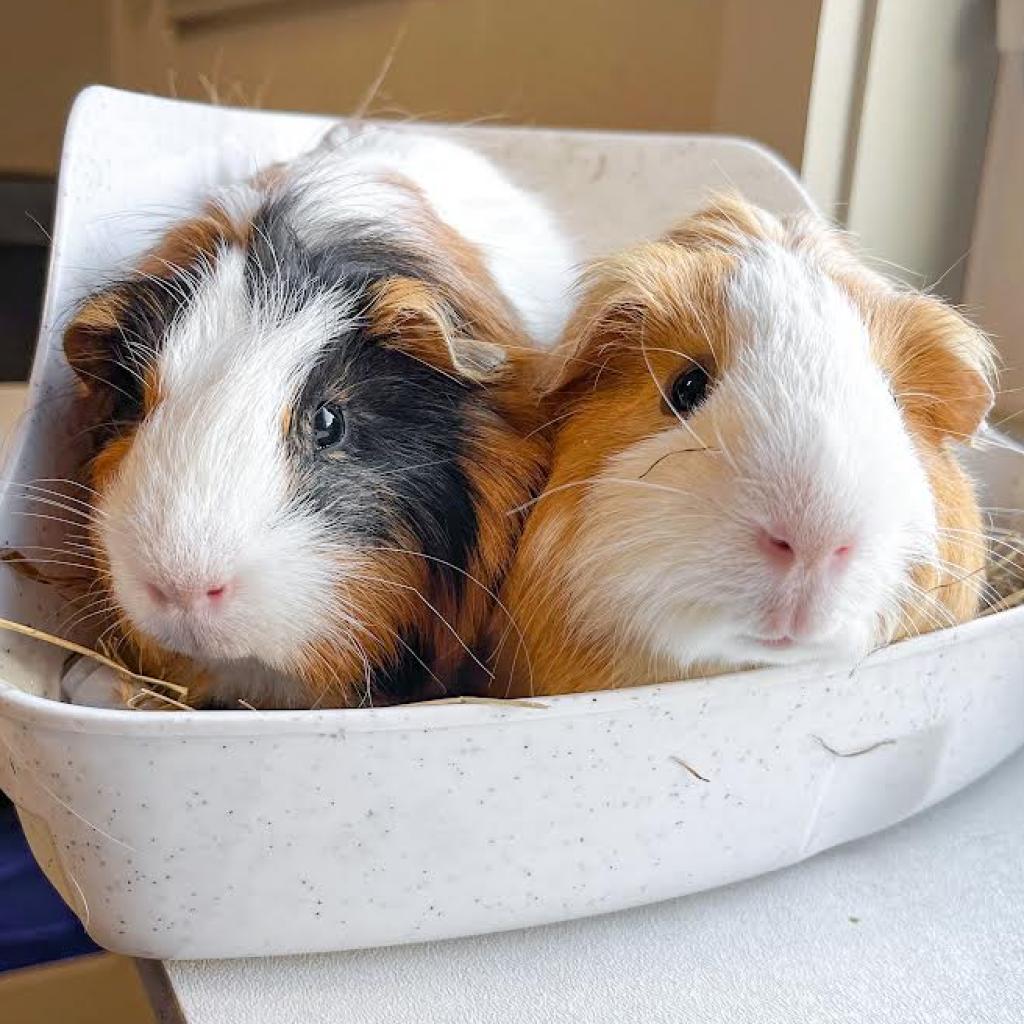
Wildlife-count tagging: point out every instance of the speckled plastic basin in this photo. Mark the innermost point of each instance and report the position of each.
(242, 833)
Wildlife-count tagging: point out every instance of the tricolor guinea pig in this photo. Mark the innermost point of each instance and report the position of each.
(317, 416)
(754, 464)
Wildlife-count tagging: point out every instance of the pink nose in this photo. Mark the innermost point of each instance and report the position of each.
(783, 549)
(188, 598)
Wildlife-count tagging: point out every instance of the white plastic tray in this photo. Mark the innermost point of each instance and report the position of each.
(245, 833)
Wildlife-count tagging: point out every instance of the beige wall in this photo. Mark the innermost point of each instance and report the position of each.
(48, 49)
(742, 66)
(995, 270)
(764, 71)
(647, 63)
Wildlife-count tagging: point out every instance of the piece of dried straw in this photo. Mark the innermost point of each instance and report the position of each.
(86, 652)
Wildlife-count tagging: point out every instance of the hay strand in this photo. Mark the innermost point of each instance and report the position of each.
(86, 652)
(1005, 574)
(144, 694)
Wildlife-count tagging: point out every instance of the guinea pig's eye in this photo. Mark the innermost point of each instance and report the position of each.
(689, 389)
(328, 426)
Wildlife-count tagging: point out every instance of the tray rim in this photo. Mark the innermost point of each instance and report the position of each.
(30, 709)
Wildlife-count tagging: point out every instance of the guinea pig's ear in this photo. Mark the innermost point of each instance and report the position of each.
(726, 222)
(92, 338)
(656, 289)
(600, 326)
(941, 365)
(407, 316)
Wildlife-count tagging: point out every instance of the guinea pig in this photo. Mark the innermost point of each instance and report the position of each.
(753, 464)
(317, 412)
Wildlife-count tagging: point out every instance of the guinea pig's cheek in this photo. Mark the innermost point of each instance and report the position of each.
(653, 508)
(373, 600)
(120, 558)
(646, 545)
(673, 465)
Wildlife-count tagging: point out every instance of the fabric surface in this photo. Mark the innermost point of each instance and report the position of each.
(35, 925)
(922, 924)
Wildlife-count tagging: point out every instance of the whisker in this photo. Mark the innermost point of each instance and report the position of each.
(434, 610)
(682, 451)
(605, 480)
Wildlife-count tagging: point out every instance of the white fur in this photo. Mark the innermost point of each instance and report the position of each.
(527, 255)
(202, 497)
(808, 437)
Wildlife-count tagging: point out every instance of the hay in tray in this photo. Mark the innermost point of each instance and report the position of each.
(1005, 572)
(140, 690)
(144, 681)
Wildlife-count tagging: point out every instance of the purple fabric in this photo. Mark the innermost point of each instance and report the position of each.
(35, 924)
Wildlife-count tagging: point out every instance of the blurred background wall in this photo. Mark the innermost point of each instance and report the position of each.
(651, 65)
(884, 105)
(656, 65)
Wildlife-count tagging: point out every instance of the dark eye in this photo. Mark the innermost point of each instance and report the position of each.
(689, 389)
(328, 426)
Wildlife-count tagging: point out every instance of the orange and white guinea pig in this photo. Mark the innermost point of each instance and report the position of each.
(753, 464)
(316, 417)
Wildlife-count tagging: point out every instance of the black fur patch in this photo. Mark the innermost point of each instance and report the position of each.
(366, 252)
(408, 678)
(396, 481)
(398, 475)
(148, 306)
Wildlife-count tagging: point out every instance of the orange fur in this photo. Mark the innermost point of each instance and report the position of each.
(956, 585)
(643, 315)
(193, 240)
(390, 593)
(107, 462)
(505, 466)
(464, 282)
